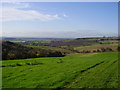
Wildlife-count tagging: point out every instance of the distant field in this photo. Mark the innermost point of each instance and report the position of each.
(97, 46)
(52, 48)
(18, 41)
(93, 70)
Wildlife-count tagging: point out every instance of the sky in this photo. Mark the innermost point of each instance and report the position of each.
(59, 19)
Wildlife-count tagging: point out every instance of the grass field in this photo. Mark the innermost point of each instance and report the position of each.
(93, 70)
(97, 46)
(18, 41)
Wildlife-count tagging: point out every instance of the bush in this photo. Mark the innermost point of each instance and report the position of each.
(118, 49)
(98, 50)
(94, 51)
(103, 49)
(109, 49)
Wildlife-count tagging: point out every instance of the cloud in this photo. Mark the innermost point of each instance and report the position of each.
(65, 15)
(15, 4)
(15, 13)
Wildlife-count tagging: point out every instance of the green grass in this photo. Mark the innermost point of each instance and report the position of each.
(98, 70)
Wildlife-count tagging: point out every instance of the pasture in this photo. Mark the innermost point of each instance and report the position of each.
(97, 46)
(92, 70)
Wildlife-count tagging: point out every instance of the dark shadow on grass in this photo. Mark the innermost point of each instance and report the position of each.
(21, 64)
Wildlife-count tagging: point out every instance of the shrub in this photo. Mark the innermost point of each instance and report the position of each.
(103, 49)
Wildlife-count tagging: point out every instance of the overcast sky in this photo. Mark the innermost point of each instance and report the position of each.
(62, 19)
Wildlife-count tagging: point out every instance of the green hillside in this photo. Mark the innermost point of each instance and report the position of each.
(92, 70)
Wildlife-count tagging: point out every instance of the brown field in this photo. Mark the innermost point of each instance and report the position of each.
(97, 46)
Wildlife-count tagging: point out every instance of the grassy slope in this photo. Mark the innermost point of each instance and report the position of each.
(78, 70)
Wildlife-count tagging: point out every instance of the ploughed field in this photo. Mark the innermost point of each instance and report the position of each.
(91, 70)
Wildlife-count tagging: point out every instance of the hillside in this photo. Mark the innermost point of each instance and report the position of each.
(93, 70)
(12, 50)
(32, 48)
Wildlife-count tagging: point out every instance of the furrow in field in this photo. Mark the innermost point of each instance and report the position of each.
(82, 71)
(97, 75)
